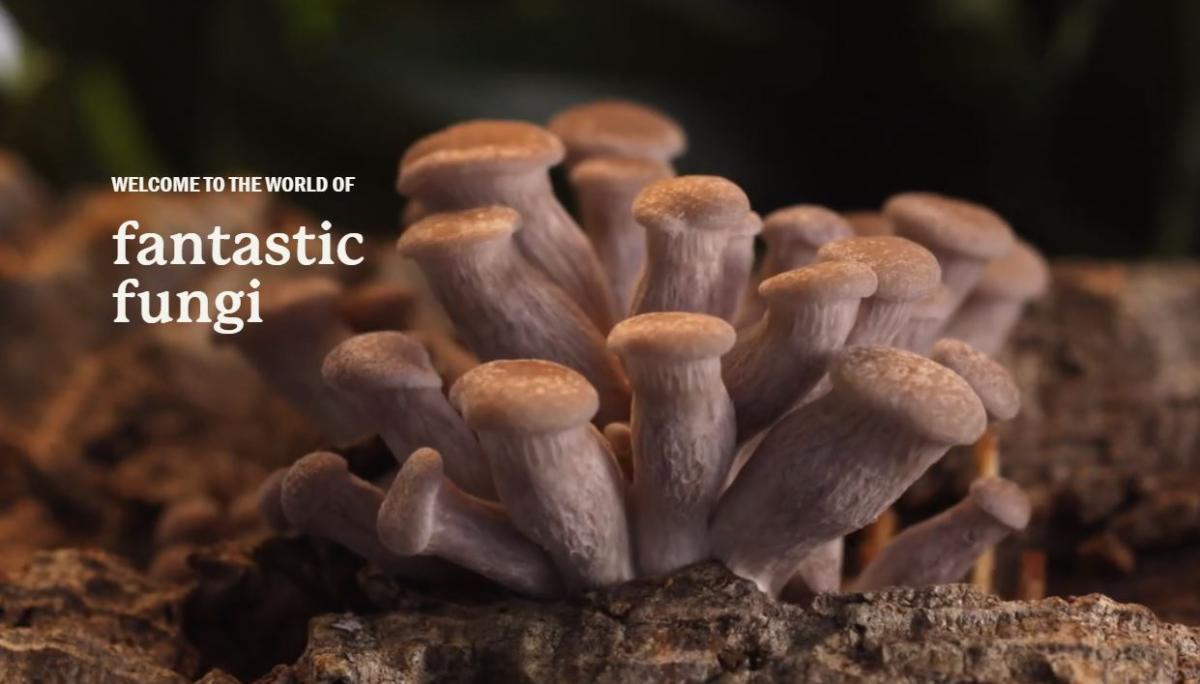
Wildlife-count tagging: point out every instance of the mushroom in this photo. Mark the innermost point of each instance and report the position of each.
(683, 432)
(425, 513)
(553, 471)
(270, 501)
(322, 498)
(605, 188)
(991, 310)
(481, 163)
(833, 465)
(502, 308)
(620, 440)
(942, 548)
(811, 310)
(925, 321)
(620, 128)
(378, 306)
(906, 273)
(197, 519)
(793, 235)
(992, 383)
(963, 236)
(393, 384)
(869, 223)
(819, 573)
(300, 324)
(737, 263)
(688, 220)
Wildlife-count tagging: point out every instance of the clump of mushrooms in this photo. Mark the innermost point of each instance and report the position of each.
(596, 441)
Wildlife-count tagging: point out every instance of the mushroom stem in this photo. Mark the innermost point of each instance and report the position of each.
(989, 313)
(394, 385)
(683, 432)
(481, 163)
(424, 513)
(833, 465)
(322, 498)
(811, 310)
(620, 439)
(553, 471)
(943, 548)
(1031, 578)
(688, 223)
(819, 573)
(502, 308)
(737, 261)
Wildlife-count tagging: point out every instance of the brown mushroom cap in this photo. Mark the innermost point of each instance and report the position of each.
(305, 484)
(672, 335)
(923, 395)
(525, 395)
(991, 381)
(632, 173)
(378, 306)
(479, 146)
(867, 222)
(806, 224)
(447, 232)
(1020, 275)
(826, 280)
(691, 202)
(411, 502)
(618, 127)
(906, 271)
(950, 224)
(1003, 500)
(380, 361)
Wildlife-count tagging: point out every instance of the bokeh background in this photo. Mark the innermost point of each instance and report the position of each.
(1077, 119)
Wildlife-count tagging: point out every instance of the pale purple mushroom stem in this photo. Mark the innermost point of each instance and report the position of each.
(683, 432)
(989, 313)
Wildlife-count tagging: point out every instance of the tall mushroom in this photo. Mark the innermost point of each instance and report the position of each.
(617, 128)
(392, 383)
(688, 220)
(737, 264)
(833, 465)
(810, 312)
(425, 513)
(481, 163)
(989, 313)
(503, 308)
(683, 432)
(553, 471)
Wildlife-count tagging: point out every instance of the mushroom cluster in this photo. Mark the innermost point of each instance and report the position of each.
(630, 394)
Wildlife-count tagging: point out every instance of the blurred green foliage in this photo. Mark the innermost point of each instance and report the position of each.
(1077, 119)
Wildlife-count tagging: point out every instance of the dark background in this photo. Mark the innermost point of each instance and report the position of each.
(1078, 119)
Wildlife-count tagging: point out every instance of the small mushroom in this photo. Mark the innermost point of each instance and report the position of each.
(833, 465)
(811, 310)
(617, 127)
(502, 308)
(992, 383)
(925, 321)
(481, 163)
(425, 513)
(942, 548)
(688, 220)
(793, 235)
(906, 274)
(963, 236)
(300, 324)
(737, 263)
(869, 223)
(390, 379)
(270, 502)
(322, 498)
(378, 306)
(605, 188)
(683, 432)
(991, 310)
(554, 472)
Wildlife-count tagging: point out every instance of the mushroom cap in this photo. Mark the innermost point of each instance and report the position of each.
(618, 127)
(379, 361)
(482, 145)
(950, 224)
(672, 335)
(867, 222)
(628, 174)
(935, 306)
(446, 233)
(1003, 500)
(822, 281)
(923, 395)
(750, 226)
(524, 395)
(691, 203)
(1021, 274)
(411, 503)
(991, 381)
(304, 488)
(906, 271)
(806, 224)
